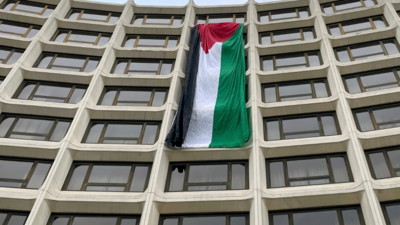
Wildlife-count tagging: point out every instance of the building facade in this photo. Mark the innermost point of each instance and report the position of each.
(89, 91)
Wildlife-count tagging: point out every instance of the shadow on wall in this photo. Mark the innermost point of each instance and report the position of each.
(182, 2)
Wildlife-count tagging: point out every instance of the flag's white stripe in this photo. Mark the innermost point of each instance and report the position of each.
(201, 123)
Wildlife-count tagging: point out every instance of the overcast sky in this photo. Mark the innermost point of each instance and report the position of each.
(183, 2)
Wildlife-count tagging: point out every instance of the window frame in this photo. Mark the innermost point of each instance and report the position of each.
(271, 33)
(186, 183)
(346, 22)
(365, 44)
(138, 36)
(18, 116)
(336, 11)
(98, 215)
(372, 117)
(294, 54)
(128, 88)
(129, 61)
(263, 13)
(90, 164)
(39, 82)
(156, 15)
(389, 165)
(284, 161)
(207, 16)
(71, 56)
(87, 33)
(338, 210)
(19, 24)
(12, 51)
(96, 12)
(107, 122)
(181, 216)
(362, 87)
(17, 2)
(320, 126)
(385, 213)
(12, 213)
(279, 84)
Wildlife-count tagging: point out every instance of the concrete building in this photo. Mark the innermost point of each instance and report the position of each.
(90, 90)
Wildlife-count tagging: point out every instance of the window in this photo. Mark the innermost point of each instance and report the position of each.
(207, 176)
(92, 15)
(18, 29)
(13, 218)
(150, 41)
(225, 219)
(359, 25)
(33, 127)
(81, 37)
(314, 170)
(221, 18)
(102, 219)
(293, 127)
(167, 20)
(291, 61)
(125, 96)
(279, 36)
(121, 132)
(297, 90)
(10, 55)
(384, 163)
(330, 216)
(377, 118)
(23, 173)
(114, 177)
(391, 213)
(284, 14)
(367, 50)
(372, 81)
(76, 63)
(28, 7)
(143, 66)
(339, 6)
(50, 92)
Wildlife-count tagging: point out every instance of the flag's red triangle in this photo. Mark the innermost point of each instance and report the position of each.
(212, 33)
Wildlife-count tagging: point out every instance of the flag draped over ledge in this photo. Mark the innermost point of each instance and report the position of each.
(212, 109)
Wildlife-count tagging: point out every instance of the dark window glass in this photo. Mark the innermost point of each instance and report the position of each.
(284, 14)
(372, 81)
(149, 41)
(207, 176)
(168, 20)
(391, 212)
(338, 6)
(293, 127)
(18, 29)
(384, 163)
(291, 61)
(143, 66)
(358, 25)
(298, 90)
(81, 37)
(125, 96)
(91, 15)
(13, 218)
(23, 173)
(279, 36)
(91, 219)
(76, 63)
(367, 50)
(28, 7)
(145, 133)
(10, 55)
(308, 171)
(217, 219)
(121, 177)
(377, 118)
(221, 18)
(50, 92)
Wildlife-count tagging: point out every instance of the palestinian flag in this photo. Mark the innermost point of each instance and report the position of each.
(212, 110)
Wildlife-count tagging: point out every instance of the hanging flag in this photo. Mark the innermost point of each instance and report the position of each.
(212, 109)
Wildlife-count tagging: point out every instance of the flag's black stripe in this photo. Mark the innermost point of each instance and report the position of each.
(177, 134)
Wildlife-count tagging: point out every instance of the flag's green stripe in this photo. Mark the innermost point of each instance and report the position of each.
(230, 125)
